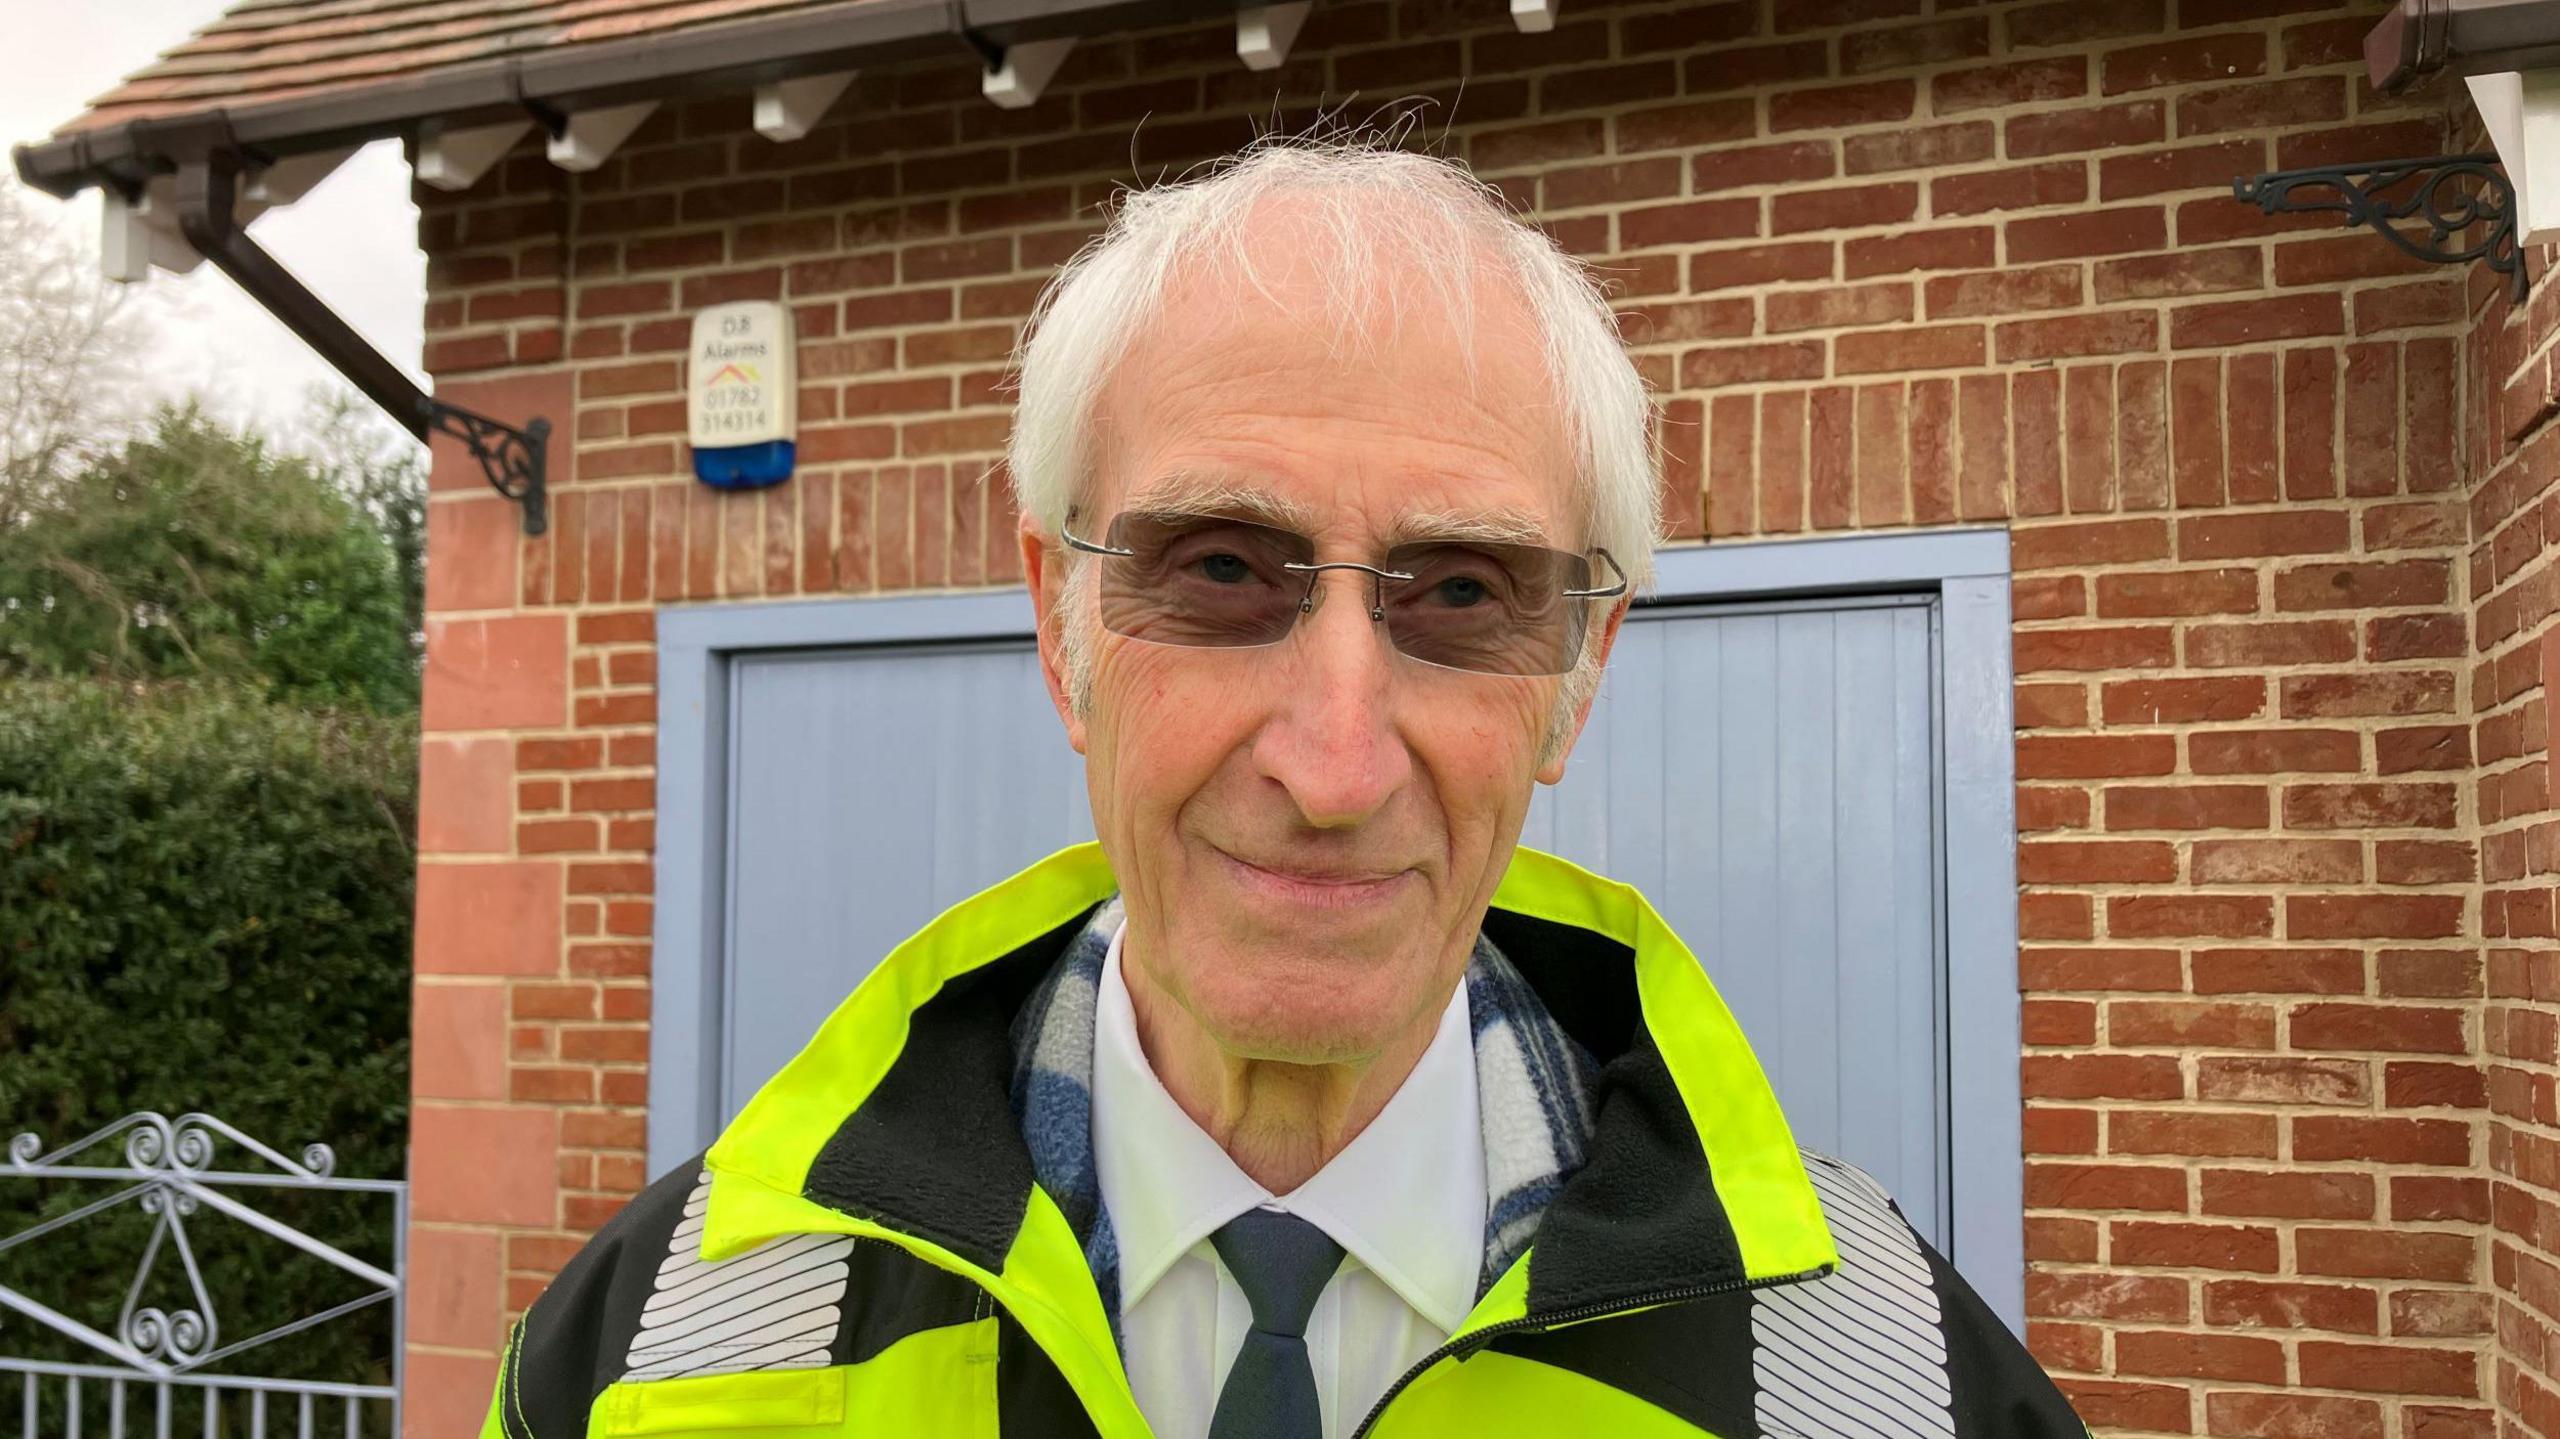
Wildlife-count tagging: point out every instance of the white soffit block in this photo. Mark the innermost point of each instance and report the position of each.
(590, 137)
(2522, 113)
(139, 236)
(292, 177)
(1264, 33)
(456, 159)
(1535, 17)
(789, 109)
(1026, 71)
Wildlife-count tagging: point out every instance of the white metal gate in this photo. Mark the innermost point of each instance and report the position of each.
(171, 1369)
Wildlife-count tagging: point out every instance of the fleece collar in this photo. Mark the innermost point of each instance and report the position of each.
(900, 1111)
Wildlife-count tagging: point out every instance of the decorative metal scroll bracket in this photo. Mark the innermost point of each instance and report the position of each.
(207, 188)
(2383, 194)
(514, 459)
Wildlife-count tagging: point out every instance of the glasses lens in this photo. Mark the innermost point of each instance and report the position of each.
(1494, 609)
(1202, 580)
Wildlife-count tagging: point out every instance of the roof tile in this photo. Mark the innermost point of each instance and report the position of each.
(263, 51)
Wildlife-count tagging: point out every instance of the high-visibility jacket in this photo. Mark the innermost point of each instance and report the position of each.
(864, 1251)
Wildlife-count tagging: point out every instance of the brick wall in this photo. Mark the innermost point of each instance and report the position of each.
(1890, 264)
(2514, 588)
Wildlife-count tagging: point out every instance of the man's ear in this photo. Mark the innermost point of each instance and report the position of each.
(1552, 772)
(1045, 572)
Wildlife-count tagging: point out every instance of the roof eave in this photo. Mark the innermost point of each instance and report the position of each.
(725, 58)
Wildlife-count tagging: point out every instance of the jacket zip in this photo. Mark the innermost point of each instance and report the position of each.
(1466, 1346)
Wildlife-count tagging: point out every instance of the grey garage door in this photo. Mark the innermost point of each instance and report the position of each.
(1766, 774)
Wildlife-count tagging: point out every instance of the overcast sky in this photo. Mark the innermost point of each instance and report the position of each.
(354, 239)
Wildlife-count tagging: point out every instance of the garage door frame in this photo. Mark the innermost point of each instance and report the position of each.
(1967, 569)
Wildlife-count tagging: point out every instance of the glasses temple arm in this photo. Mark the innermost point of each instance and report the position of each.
(1612, 591)
(1090, 548)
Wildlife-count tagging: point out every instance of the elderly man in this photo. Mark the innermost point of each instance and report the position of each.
(1304, 1104)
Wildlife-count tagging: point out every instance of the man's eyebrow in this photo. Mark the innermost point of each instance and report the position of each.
(1204, 493)
(1497, 526)
(1193, 492)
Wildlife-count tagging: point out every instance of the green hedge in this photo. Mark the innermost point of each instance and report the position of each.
(205, 905)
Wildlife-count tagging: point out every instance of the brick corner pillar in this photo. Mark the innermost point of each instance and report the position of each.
(481, 1167)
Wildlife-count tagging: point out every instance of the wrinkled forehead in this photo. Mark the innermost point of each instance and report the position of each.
(1298, 358)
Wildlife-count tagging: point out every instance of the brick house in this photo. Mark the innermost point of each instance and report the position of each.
(2271, 506)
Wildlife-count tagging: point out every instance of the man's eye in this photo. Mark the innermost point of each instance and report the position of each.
(1225, 569)
(1461, 592)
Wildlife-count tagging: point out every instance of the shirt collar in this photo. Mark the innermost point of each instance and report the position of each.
(1405, 1198)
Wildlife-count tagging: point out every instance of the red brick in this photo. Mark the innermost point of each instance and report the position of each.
(2390, 1368)
(1751, 165)
(2178, 592)
(2239, 536)
(458, 1041)
(2227, 323)
(1932, 147)
(2373, 916)
(2199, 1134)
(2068, 336)
(2383, 1140)
(2194, 806)
(2255, 1079)
(2272, 1304)
(2292, 1416)
(509, 672)
(2274, 751)
(2188, 167)
(1760, 264)
(2183, 701)
(2364, 806)
(2001, 292)
(2277, 861)
(1833, 107)
(2152, 1408)
(2018, 187)
(2154, 1189)
(489, 918)
(2167, 915)
(2375, 1026)
(2138, 1298)
(2101, 1076)
(2139, 970)
(2178, 273)
(2266, 105)
(2200, 1356)
(484, 1165)
(2016, 83)
(2279, 971)
(2286, 1194)
(1847, 207)
(1902, 251)
(2229, 55)
(2142, 1243)
(2085, 233)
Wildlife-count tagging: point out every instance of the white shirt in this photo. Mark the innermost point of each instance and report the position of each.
(1405, 1200)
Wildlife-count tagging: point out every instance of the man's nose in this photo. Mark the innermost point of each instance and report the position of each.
(1332, 742)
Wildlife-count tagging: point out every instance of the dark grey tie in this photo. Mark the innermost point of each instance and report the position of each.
(1281, 1262)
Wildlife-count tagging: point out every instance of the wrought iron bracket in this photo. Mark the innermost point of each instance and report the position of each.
(513, 459)
(2383, 194)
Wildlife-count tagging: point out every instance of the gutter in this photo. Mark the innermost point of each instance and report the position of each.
(711, 59)
(2419, 38)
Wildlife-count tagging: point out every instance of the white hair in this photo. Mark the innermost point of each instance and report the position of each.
(1382, 212)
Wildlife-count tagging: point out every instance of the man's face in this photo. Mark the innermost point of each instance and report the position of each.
(1307, 834)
